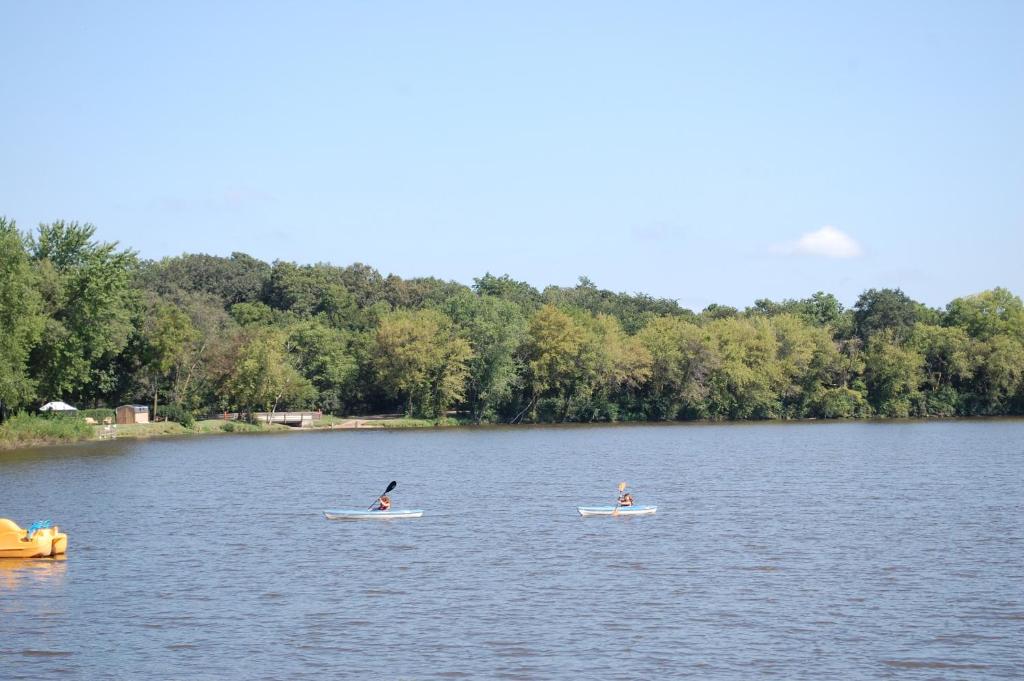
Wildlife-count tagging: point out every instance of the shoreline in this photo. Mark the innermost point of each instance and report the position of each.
(205, 427)
(214, 427)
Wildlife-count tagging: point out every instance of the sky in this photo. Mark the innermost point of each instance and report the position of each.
(705, 152)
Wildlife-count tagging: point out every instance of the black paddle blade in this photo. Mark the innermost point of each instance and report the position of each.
(391, 486)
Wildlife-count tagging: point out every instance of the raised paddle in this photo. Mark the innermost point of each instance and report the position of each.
(390, 487)
(622, 487)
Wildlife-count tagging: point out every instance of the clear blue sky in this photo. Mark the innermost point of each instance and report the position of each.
(694, 151)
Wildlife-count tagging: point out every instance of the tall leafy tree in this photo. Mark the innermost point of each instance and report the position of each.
(632, 311)
(365, 284)
(421, 291)
(716, 311)
(580, 363)
(311, 290)
(682, 362)
(808, 359)
(88, 300)
(507, 288)
(893, 375)
(988, 314)
(240, 278)
(21, 320)
(495, 329)
(885, 309)
(947, 365)
(997, 386)
(420, 359)
(615, 366)
(749, 378)
(322, 355)
(554, 344)
(168, 336)
(264, 377)
(197, 382)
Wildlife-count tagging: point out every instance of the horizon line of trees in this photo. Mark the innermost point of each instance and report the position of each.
(91, 323)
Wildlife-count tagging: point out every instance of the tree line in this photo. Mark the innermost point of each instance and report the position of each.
(91, 323)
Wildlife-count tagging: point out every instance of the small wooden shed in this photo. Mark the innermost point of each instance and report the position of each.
(132, 413)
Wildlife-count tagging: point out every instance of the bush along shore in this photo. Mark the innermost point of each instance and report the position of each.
(89, 323)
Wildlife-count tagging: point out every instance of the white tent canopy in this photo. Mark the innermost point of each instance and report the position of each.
(57, 406)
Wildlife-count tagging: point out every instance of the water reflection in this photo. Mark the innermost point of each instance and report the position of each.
(34, 573)
(10, 459)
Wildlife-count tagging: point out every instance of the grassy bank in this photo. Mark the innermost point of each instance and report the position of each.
(25, 430)
(414, 423)
(209, 426)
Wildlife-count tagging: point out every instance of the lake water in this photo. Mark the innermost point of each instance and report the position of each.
(799, 551)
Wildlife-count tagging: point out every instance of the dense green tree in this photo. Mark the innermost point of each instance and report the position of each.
(507, 288)
(88, 300)
(237, 279)
(998, 382)
(632, 311)
(765, 307)
(322, 355)
(577, 361)
(264, 378)
(80, 319)
(495, 328)
(893, 375)
(365, 284)
(811, 367)
(552, 351)
(885, 310)
(168, 335)
(21, 320)
(311, 290)
(822, 310)
(421, 360)
(946, 353)
(255, 314)
(614, 367)
(682, 361)
(420, 292)
(715, 311)
(988, 314)
(837, 389)
(209, 359)
(748, 380)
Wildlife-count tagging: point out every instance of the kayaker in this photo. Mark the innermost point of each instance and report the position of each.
(626, 498)
(383, 503)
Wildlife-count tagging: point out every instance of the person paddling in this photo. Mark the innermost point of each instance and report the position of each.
(625, 496)
(383, 502)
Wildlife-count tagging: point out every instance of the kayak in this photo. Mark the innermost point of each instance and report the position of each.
(363, 514)
(611, 510)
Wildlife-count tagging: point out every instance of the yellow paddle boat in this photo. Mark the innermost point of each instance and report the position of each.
(41, 540)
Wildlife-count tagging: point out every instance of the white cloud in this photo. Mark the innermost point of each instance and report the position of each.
(827, 242)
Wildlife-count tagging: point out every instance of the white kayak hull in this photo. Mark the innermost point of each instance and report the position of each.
(361, 514)
(586, 511)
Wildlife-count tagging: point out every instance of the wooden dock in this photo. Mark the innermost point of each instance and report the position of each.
(297, 419)
(288, 418)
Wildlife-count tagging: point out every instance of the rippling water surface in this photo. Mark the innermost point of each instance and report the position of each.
(800, 551)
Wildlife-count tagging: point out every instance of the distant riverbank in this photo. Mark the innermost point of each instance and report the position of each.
(35, 431)
(31, 431)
